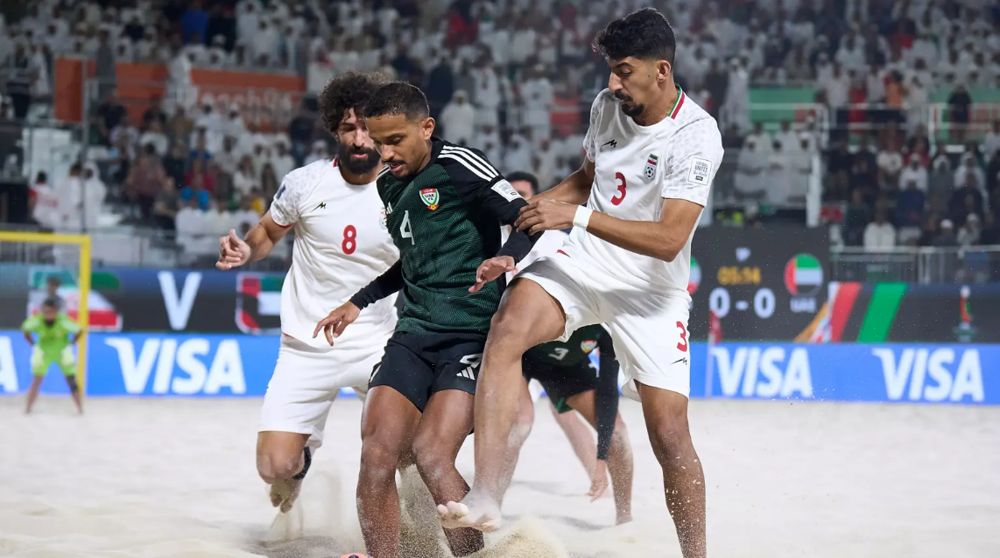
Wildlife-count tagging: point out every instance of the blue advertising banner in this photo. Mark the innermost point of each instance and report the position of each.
(134, 364)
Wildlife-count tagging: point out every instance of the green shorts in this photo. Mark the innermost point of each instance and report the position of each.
(41, 361)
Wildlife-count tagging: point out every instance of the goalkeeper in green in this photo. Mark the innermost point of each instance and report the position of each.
(52, 334)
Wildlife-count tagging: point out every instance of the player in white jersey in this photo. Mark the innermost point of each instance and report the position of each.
(341, 245)
(651, 156)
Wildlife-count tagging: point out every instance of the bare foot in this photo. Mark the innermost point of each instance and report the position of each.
(478, 512)
(284, 493)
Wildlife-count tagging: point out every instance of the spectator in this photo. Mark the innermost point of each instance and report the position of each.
(168, 204)
(890, 164)
(760, 138)
(245, 179)
(282, 161)
(245, 217)
(880, 235)
(300, 132)
(175, 163)
(993, 173)
(155, 138)
(914, 174)
(190, 225)
(154, 113)
(458, 118)
(268, 180)
(440, 86)
(196, 192)
(180, 127)
(105, 68)
(229, 159)
(518, 154)
(968, 235)
(194, 21)
(959, 104)
(970, 168)
(909, 211)
(199, 172)
(751, 171)
(857, 219)
(779, 179)
(200, 149)
(110, 116)
(946, 235)
(94, 194)
(144, 182)
(965, 200)
(44, 202)
(319, 152)
(991, 143)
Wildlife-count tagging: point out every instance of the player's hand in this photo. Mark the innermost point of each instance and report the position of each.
(233, 251)
(545, 215)
(490, 270)
(335, 322)
(599, 482)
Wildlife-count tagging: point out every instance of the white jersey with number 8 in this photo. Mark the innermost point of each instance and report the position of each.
(636, 168)
(341, 245)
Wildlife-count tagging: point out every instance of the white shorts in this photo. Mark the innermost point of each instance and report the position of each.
(649, 329)
(307, 380)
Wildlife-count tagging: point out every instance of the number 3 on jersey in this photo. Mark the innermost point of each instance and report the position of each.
(620, 196)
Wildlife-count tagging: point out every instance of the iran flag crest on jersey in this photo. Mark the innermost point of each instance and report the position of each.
(430, 198)
(650, 171)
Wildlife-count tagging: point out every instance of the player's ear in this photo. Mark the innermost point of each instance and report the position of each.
(427, 127)
(663, 69)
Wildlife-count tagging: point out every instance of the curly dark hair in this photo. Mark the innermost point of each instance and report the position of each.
(398, 97)
(347, 91)
(644, 34)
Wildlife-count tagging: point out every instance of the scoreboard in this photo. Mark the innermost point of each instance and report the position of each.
(763, 284)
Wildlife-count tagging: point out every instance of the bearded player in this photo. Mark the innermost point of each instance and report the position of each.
(651, 156)
(341, 244)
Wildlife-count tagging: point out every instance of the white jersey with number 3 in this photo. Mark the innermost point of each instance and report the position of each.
(341, 245)
(637, 167)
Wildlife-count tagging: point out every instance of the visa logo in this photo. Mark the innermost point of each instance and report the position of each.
(8, 372)
(185, 368)
(766, 373)
(915, 365)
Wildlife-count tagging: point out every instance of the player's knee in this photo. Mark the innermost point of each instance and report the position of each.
(73, 386)
(378, 460)
(669, 438)
(433, 457)
(276, 465)
(508, 332)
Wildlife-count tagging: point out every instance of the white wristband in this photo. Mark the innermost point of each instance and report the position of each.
(582, 217)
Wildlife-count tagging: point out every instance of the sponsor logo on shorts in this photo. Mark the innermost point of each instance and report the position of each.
(473, 361)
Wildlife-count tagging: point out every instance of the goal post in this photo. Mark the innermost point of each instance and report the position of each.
(82, 244)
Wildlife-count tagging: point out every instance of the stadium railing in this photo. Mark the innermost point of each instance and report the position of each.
(926, 265)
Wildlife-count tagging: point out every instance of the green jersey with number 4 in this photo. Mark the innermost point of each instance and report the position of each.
(445, 221)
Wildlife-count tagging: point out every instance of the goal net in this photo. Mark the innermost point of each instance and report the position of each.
(35, 267)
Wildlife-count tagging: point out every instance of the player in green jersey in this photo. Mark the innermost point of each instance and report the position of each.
(444, 207)
(52, 335)
(570, 382)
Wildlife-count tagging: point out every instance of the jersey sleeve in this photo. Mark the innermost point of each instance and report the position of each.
(68, 324)
(695, 156)
(479, 184)
(590, 140)
(31, 324)
(285, 205)
(606, 396)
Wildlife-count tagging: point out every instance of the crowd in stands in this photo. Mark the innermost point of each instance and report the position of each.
(515, 78)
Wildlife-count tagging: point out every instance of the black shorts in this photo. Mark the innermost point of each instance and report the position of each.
(419, 365)
(561, 382)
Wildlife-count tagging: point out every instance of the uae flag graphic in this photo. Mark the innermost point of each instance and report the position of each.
(258, 302)
(803, 275)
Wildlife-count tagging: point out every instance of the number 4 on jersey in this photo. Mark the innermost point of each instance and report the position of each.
(404, 228)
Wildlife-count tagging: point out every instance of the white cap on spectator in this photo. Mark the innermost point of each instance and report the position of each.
(219, 40)
(233, 107)
(946, 224)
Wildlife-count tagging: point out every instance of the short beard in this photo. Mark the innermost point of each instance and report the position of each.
(629, 110)
(355, 166)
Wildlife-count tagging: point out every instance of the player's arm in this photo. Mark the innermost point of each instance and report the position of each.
(606, 396)
(264, 236)
(480, 185)
(384, 285)
(684, 188)
(575, 189)
(344, 315)
(28, 327)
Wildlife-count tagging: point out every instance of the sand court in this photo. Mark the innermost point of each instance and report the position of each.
(176, 477)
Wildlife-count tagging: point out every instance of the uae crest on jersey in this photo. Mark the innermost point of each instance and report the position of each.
(430, 198)
(650, 170)
(588, 346)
